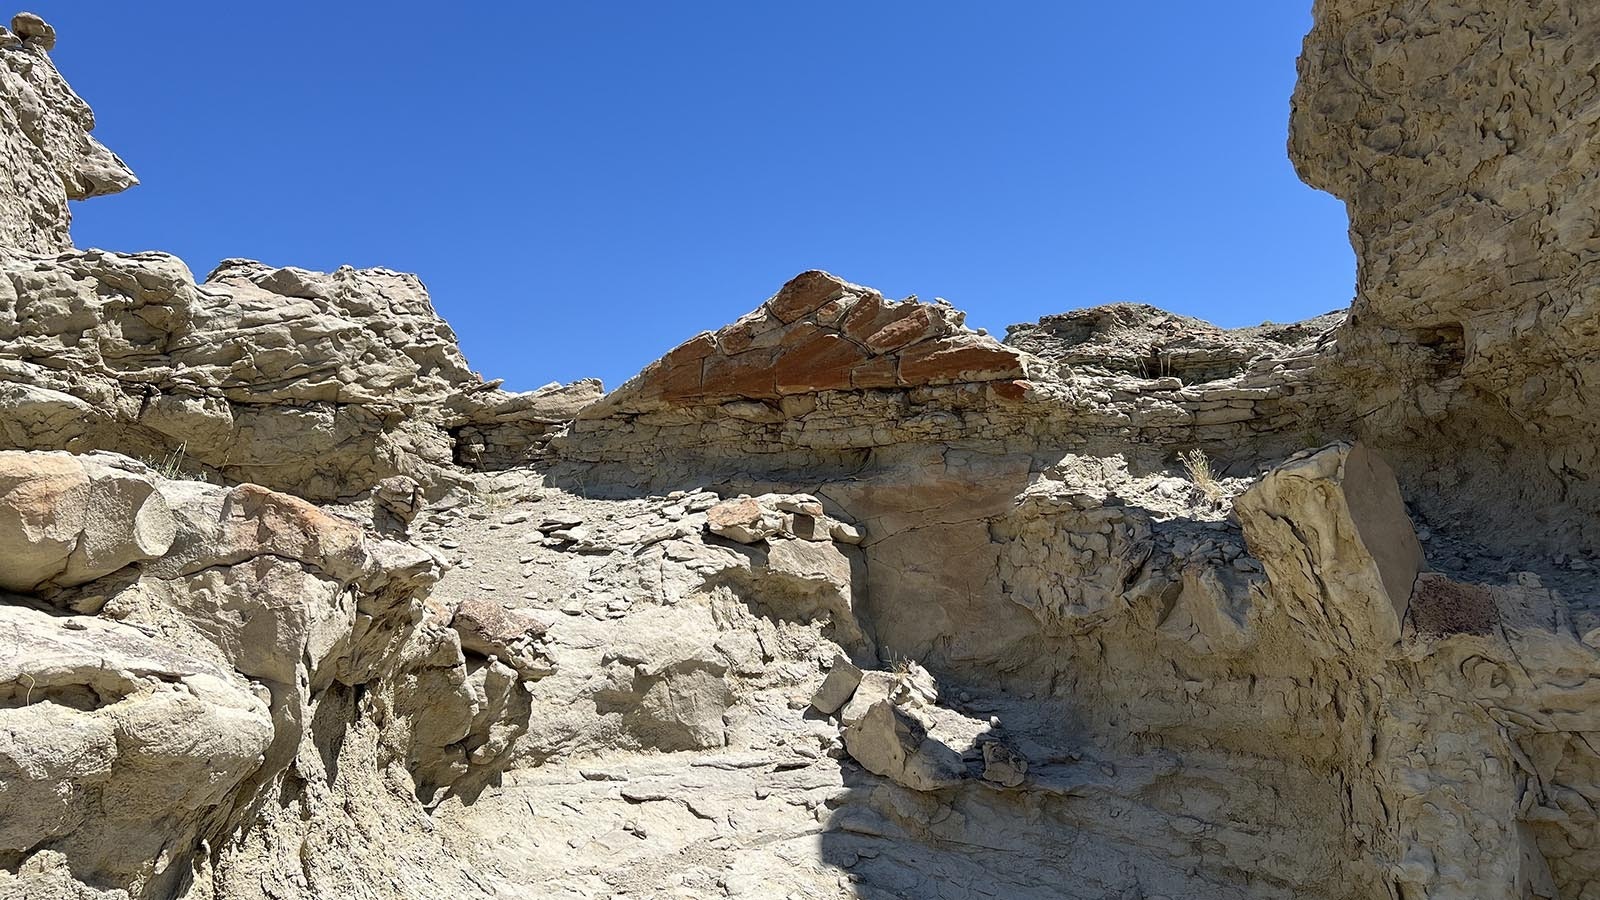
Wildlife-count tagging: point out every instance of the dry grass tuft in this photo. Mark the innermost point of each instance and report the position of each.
(170, 466)
(1205, 480)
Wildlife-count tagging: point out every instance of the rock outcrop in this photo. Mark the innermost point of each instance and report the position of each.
(72, 519)
(199, 684)
(48, 153)
(843, 599)
(819, 333)
(1461, 141)
(323, 384)
(1134, 339)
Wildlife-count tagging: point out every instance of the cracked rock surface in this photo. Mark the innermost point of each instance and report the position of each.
(842, 599)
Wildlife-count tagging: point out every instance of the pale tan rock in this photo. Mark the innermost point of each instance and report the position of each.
(320, 383)
(250, 522)
(836, 689)
(1174, 706)
(45, 142)
(396, 501)
(46, 875)
(34, 31)
(1465, 195)
(1333, 533)
(114, 746)
(889, 742)
(66, 520)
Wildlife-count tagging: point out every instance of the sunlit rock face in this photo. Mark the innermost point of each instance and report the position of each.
(1462, 140)
(842, 599)
(47, 154)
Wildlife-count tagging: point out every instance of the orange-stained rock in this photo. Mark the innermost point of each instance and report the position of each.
(742, 375)
(258, 520)
(804, 294)
(921, 323)
(817, 361)
(870, 315)
(251, 522)
(820, 333)
(677, 375)
(698, 347)
(678, 382)
(831, 312)
(755, 330)
(959, 359)
(729, 513)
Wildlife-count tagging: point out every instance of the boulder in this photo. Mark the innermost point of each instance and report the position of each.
(742, 519)
(837, 688)
(114, 747)
(1003, 765)
(888, 741)
(912, 688)
(489, 628)
(67, 520)
(750, 520)
(396, 500)
(34, 31)
(1332, 532)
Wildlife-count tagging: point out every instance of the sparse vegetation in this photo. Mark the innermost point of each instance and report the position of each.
(1199, 468)
(496, 501)
(170, 466)
(1157, 365)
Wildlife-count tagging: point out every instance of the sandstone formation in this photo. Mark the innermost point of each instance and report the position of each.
(842, 599)
(50, 156)
(324, 384)
(1461, 140)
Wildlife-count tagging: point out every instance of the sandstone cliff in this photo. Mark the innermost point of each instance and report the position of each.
(842, 599)
(1461, 139)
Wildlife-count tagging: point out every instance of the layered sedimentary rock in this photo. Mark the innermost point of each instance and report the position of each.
(1135, 339)
(47, 151)
(204, 674)
(320, 383)
(842, 599)
(1461, 139)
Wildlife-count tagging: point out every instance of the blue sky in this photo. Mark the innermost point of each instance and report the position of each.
(582, 185)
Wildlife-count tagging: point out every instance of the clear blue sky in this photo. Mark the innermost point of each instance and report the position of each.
(584, 184)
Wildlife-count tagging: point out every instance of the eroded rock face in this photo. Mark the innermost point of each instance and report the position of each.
(1468, 194)
(1136, 339)
(114, 745)
(186, 666)
(842, 599)
(320, 383)
(69, 520)
(1333, 533)
(47, 151)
